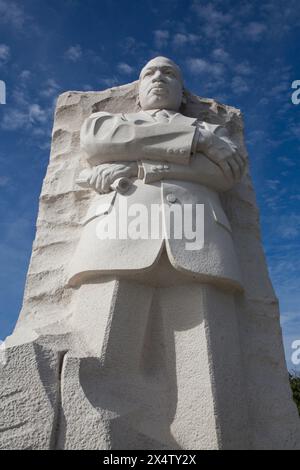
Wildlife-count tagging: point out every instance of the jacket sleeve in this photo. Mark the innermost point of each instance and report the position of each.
(109, 137)
(200, 170)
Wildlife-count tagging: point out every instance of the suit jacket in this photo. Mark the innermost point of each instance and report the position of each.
(160, 148)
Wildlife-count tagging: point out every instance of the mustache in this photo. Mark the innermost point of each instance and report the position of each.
(157, 84)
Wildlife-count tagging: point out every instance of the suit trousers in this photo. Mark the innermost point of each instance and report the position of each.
(161, 368)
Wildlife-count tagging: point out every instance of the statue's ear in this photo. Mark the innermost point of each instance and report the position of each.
(137, 102)
(184, 96)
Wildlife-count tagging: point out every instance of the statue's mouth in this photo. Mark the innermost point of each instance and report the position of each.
(158, 87)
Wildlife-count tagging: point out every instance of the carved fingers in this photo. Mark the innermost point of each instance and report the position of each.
(103, 176)
(225, 154)
(233, 167)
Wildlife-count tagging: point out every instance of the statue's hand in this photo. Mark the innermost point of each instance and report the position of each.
(224, 153)
(103, 176)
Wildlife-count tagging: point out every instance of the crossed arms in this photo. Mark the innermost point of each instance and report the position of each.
(152, 151)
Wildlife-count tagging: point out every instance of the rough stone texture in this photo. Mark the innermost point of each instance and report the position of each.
(49, 369)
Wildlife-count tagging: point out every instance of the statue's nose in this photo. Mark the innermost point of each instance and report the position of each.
(157, 75)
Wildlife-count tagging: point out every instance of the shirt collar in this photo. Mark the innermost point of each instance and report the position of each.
(152, 112)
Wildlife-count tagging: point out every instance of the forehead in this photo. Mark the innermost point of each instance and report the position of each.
(161, 64)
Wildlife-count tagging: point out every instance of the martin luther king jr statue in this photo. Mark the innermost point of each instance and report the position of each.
(162, 338)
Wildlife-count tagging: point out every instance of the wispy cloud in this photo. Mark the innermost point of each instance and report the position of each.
(50, 88)
(14, 119)
(25, 75)
(125, 68)
(161, 38)
(214, 20)
(244, 68)
(255, 30)
(12, 14)
(37, 114)
(202, 66)
(239, 85)
(74, 53)
(109, 81)
(220, 54)
(183, 39)
(133, 46)
(4, 53)
(273, 184)
(287, 161)
(211, 13)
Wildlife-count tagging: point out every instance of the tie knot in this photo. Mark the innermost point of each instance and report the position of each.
(162, 116)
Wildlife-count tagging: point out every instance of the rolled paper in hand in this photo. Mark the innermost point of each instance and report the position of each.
(121, 185)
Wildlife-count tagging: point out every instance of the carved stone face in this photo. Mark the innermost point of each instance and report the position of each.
(160, 85)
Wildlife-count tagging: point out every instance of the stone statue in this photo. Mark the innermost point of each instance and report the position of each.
(148, 342)
(173, 159)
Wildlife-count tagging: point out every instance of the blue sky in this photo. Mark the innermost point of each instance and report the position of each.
(243, 53)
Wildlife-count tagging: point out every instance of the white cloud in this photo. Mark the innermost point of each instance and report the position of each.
(289, 226)
(256, 136)
(286, 161)
(12, 14)
(50, 89)
(14, 119)
(272, 184)
(4, 53)
(109, 81)
(220, 54)
(255, 30)
(161, 38)
(26, 115)
(74, 53)
(210, 13)
(201, 66)
(20, 97)
(239, 85)
(37, 114)
(288, 232)
(125, 68)
(25, 75)
(181, 39)
(244, 68)
(133, 46)
(215, 22)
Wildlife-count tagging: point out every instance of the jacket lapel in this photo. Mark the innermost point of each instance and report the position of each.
(184, 120)
(177, 118)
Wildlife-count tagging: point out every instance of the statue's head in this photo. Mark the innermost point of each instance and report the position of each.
(161, 85)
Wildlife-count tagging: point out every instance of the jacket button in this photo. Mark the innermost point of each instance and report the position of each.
(171, 198)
